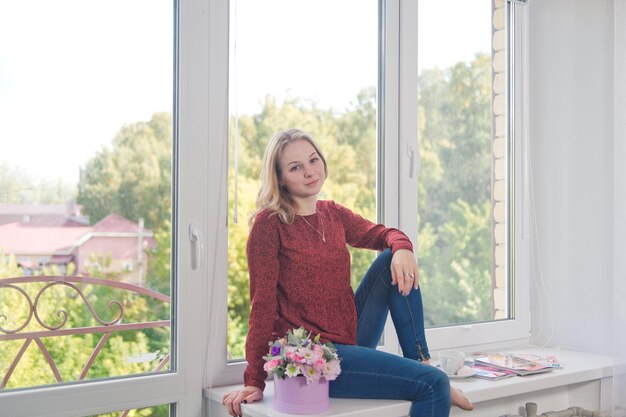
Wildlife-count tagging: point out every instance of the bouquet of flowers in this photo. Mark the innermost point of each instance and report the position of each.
(298, 354)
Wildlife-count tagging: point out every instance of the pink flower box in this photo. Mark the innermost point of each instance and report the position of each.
(294, 396)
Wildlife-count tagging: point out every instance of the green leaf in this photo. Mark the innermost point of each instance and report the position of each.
(292, 339)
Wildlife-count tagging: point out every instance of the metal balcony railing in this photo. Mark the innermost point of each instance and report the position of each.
(34, 325)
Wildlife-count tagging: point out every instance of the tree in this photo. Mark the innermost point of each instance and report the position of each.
(133, 178)
(454, 192)
(8, 266)
(160, 260)
(455, 267)
(455, 125)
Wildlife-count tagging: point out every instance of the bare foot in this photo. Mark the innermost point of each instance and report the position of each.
(460, 400)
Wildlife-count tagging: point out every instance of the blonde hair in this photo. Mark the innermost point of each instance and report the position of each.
(272, 196)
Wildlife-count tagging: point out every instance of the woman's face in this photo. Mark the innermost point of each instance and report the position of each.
(302, 169)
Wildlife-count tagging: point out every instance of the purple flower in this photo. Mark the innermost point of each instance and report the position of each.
(275, 350)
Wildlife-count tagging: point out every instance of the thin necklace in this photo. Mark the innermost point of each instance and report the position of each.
(322, 234)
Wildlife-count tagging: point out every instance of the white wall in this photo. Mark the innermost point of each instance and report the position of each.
(619, 213)
(571, 141)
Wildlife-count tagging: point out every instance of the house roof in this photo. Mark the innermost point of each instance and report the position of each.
(115, 223)
(26, 238)
(21, 238)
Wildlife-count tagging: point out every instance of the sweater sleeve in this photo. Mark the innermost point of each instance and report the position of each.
(263, 265)
(362, 233)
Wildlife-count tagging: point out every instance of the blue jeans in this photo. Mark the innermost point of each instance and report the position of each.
(369, 373)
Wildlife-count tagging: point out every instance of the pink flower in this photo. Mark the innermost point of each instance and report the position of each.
(268, 366)
(311, 374)
(307, 355)
(332, 369)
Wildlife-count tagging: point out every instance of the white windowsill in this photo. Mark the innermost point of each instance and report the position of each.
(577, 367)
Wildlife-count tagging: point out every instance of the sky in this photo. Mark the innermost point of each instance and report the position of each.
(73, 72)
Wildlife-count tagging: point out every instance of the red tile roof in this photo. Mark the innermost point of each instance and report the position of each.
(115, 223)
(26, 238)
(18, 238)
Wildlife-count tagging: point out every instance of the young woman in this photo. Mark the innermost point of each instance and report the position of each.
(300, 276)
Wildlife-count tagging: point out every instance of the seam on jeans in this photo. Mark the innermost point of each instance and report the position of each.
(412, 321)
(377, 374)
(367, 300)
(421, 357)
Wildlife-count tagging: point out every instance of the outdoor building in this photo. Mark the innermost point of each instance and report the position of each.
(67, 215)
(53, 241)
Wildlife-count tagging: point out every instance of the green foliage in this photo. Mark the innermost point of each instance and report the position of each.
(454, 192)
(132, 178)
(455, 267)
(160, 259)
(8, 266)
(455, 135)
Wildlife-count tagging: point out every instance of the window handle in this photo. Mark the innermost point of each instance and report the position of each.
(197, 244)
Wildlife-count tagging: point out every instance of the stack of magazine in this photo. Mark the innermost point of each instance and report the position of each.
(494, 366)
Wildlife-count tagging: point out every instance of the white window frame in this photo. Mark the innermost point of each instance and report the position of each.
(518, 327)
(397, 133)
(202, 129)
(181, 387)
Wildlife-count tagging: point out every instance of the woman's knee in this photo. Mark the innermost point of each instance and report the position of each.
(441, 381)
(385, 256)
(383, 260)
(437, 382)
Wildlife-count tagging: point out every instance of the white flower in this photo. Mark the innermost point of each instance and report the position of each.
(292, 370)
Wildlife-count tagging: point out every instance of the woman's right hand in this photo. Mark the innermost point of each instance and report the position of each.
(232, 401)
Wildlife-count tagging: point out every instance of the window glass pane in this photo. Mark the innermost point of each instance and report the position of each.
(85, 189)
(310, 65)
(463, 179)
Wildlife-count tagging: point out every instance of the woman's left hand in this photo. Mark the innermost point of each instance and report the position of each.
(404, 271)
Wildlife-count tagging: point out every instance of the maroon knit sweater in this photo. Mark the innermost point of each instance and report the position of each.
(298, 280)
